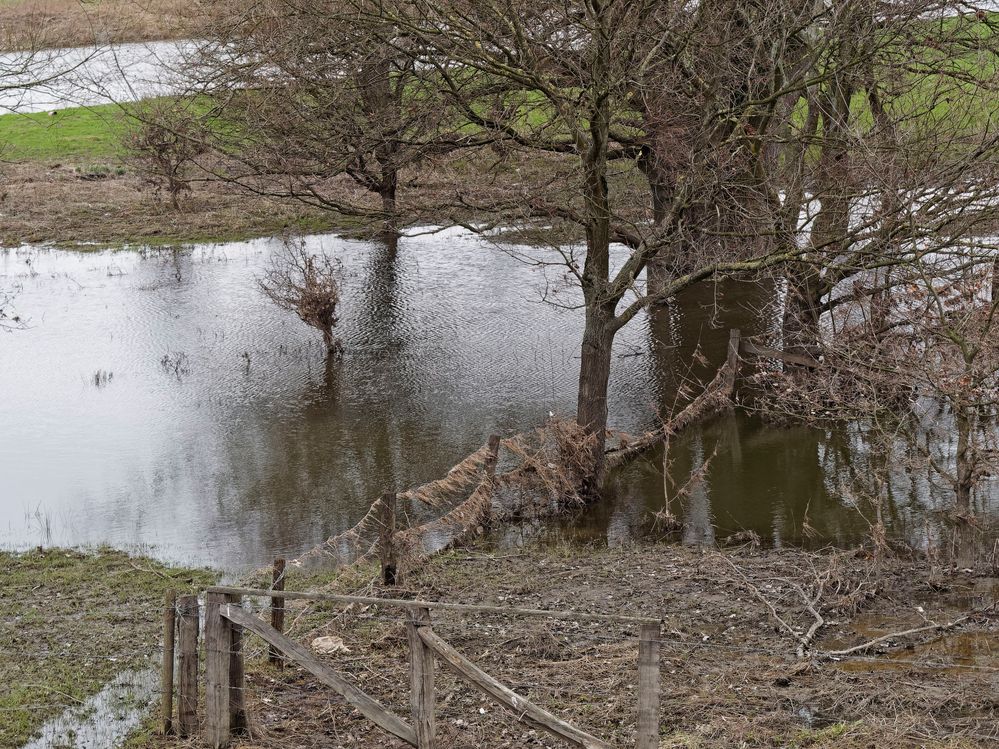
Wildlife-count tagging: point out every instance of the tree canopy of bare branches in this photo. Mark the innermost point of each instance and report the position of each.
(824, 143)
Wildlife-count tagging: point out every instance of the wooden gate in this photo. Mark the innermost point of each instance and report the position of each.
(226, 620)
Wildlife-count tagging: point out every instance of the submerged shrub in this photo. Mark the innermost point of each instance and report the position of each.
(308, 285)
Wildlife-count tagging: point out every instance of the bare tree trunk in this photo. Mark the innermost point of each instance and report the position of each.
(601, 303)
(964, 514)
(995, 281)
(802, 310)
(381, 104)
(390, 182)
(594, 377)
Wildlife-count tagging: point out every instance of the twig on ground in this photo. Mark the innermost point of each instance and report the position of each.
(944, 627)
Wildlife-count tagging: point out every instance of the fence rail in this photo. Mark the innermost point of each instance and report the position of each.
(226, 622)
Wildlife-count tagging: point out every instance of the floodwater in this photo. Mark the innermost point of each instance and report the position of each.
(158, 401)
(87, 76)
(104, 719)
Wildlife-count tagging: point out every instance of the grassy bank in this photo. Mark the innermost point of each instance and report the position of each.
(77, 133)
(71, 621)
(730, 675)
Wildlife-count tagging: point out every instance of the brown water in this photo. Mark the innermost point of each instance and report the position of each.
(157, 400)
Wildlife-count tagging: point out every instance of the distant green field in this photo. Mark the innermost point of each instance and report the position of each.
(85, 132)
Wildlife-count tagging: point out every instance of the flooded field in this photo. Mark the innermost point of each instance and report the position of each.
(158, 400)
(89, 76)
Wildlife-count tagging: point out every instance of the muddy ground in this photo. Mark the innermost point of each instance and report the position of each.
(77, 205)
(70, 622)
(730, 672)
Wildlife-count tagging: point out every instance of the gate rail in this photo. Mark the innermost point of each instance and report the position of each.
(226, 620)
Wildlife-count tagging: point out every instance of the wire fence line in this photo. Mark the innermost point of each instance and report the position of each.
(695, 641)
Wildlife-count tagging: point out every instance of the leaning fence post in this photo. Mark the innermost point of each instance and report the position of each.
(386, 544)
(421, 680)
(648, 686)
(166, 671)
(492, 456)
(277, 609)
(218, 643)
(187, 685)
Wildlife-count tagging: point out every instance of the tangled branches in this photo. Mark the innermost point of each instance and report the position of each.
(164, 145)
(308, 285)
(554, 460)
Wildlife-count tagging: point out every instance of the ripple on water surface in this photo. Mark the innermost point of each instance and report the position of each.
(157, 399)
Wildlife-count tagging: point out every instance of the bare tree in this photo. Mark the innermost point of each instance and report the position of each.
(308, 285)
(164, 140)
(603, 93)
(918, 376)
(320, 109)
(813, 140)
(892, 152)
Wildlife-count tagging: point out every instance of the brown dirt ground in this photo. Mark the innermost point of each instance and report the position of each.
(730, 676)
(71, 204)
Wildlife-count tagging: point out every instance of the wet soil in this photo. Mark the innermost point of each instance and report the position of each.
(730, 674)
(79, 204)
(71, 624)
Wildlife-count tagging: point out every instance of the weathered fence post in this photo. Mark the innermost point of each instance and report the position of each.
(732, 361)
(166, 671)
(386, 543)
(225, 703)
(187, 685)
(421, 680)
(218, 642)
(648, 686)
(493, 456)
(237, 673)
(277, 609)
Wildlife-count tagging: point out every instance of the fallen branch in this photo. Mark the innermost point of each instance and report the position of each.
(716, 397)
(946, 626)
(811, 603)
(806, 642)
(766, 601)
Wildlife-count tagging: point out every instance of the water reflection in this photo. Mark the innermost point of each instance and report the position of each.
(224, 435)
(254, 445)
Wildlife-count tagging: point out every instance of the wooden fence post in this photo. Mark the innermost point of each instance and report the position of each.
(421, 680)
(493, 456)
(237, 673)
(648, 686)
(732, 360)
(166, 671)
(277, 609)
(386, 544)
(218, 643)
(187, 685)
